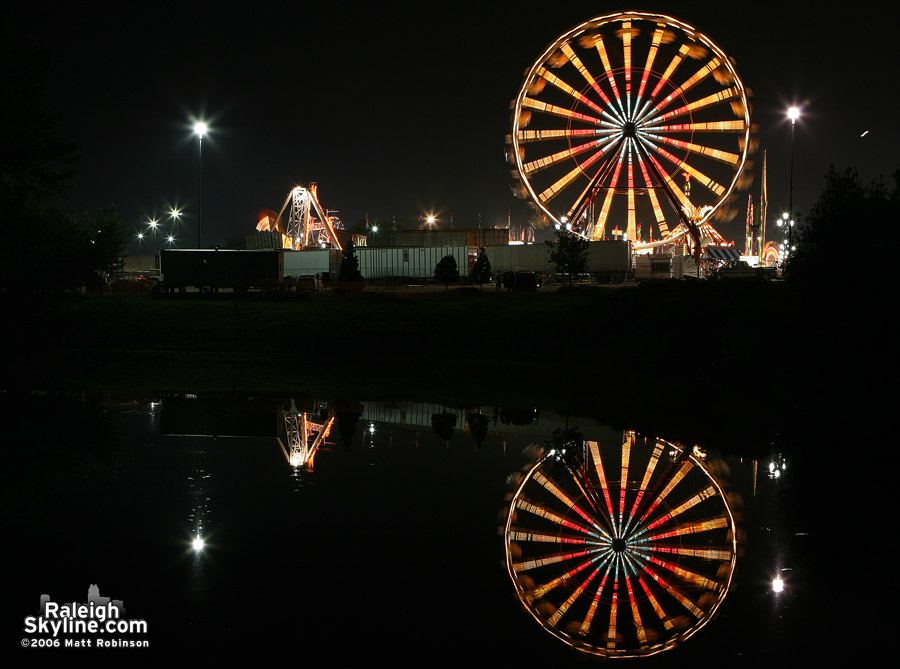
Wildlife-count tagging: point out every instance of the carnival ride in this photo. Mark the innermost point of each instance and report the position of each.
(620, 550)
(623, 113)
(303, 229)
(304, 436)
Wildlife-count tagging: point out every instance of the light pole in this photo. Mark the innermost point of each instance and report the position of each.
(793, 114)
(174, 214)
(199, 129)
(153, 223)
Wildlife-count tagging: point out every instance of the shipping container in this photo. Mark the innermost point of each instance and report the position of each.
(221, 269)
(416, 263)
(607, 261)
(311, 262)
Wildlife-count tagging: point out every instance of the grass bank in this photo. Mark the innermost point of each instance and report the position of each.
(697, 358)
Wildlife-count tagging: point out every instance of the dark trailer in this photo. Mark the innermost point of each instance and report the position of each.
(221, 269)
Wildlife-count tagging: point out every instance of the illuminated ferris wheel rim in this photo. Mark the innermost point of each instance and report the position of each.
(562, 623)
(634, 123)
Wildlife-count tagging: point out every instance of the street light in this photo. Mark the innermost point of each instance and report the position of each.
(174, 214)
(200, 129)
(153, 223)
(793, 114)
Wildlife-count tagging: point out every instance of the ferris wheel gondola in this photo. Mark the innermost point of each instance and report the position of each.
(621, 550)
(635, 120)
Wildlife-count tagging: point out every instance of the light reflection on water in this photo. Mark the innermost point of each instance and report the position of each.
(386, 544)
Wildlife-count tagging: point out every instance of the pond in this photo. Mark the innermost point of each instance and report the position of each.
(394, 540)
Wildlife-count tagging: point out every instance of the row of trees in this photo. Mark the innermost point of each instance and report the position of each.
(44, 249)
(569, 253)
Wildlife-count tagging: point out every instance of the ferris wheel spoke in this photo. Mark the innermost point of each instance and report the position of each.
(579, 202)
(545, 537)
(695, 79)
(686, 466)
(579, 65)
(692, 551)
(716, 154)
(568, 133)
(604, 57)
(714, 126)
(594, 450)
(691, 528)
(658, 216)
(678, 510)
(562, 112)
(556, 188)
(686, 575)
(544, 561)
(705, 180)
(625, 33)
(576, 593)
(543, 512)
(568, 90)
(648, 472)
(664, 79)
(648, 66)
(563, 578)
(665, 619)
(565, 498)
(679, 596)
(548, 161)
(679, 197)
(702, 103)
(636, 614)
(610, 191)
(631, 228)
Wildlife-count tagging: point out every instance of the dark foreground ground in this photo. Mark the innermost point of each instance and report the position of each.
(699, 358)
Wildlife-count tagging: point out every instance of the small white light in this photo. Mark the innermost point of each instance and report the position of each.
(197, 544)
(777, 584)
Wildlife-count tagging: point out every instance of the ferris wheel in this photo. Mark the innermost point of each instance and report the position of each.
(631, 123)
(620, 550)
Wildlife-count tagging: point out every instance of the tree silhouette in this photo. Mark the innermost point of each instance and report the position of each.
(446, 271)
(833, 231)
(349, 270)
(478, 426)
(569, 253)
(443, 424)
(481, 271)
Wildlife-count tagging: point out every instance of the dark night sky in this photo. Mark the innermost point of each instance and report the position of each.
(402, 108)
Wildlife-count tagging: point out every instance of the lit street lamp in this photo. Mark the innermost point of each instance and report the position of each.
(174, 214)
(153, 223)
(200, 129)
(793, 114)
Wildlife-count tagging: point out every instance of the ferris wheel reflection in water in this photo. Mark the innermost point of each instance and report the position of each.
(620, 550)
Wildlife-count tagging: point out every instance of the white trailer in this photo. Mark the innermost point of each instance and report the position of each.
(607, 261)
(311, 262)
(411, 263)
